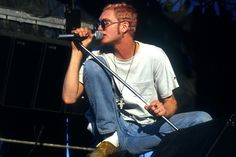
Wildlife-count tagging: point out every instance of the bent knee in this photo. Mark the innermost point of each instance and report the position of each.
(202, 117)
(92, 66)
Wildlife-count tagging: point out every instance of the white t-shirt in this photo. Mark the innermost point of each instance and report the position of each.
(149, 73)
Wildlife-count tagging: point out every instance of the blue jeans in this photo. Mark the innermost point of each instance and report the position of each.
(105, 117)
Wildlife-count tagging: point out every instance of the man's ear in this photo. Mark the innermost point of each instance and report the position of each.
(124, 27)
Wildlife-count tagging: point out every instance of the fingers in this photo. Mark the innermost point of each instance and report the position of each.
(156, 108)
(84, 32)
(158, 111)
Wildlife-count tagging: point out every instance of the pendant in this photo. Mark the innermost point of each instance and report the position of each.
(121, 103)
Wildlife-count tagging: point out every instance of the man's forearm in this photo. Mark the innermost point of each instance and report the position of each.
(71, 81)
(170, 105)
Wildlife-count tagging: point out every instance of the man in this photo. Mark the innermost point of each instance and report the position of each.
(116, 114)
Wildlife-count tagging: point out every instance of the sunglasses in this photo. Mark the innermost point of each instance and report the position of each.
(104, 24)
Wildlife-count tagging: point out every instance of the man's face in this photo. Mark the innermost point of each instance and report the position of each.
(109, 25)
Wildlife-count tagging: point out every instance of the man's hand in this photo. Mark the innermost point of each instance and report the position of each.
(156, 108)
(167, 108)
(83, 32)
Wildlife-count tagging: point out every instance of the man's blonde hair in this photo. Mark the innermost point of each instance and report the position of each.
(125, 12)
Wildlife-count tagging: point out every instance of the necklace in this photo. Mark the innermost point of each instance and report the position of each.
(120, 102)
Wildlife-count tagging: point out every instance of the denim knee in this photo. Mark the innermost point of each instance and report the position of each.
(91, 67)
(202, 117)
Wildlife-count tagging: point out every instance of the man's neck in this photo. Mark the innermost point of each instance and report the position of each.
(125, 49)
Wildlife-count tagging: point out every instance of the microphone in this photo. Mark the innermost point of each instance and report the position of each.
(98, 35)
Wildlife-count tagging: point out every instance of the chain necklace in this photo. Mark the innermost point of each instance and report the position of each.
(130, 65)
(120, 102)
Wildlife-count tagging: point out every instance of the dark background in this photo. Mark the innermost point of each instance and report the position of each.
(200, 44)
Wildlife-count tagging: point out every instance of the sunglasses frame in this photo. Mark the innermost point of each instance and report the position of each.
(104, 24)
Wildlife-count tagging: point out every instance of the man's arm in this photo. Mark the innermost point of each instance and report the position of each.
(72, 87)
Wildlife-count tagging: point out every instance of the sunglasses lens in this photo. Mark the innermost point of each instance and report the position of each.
(103, 24)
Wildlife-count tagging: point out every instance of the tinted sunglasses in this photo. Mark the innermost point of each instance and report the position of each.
(104, 24)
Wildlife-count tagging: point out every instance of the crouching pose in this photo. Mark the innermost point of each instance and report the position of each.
(117, 116)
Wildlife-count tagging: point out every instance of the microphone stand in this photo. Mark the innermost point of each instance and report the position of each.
(80, 46)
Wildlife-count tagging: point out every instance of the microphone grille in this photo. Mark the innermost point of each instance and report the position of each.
(98, 35)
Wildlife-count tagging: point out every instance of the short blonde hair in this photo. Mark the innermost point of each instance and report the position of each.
(125, 12)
